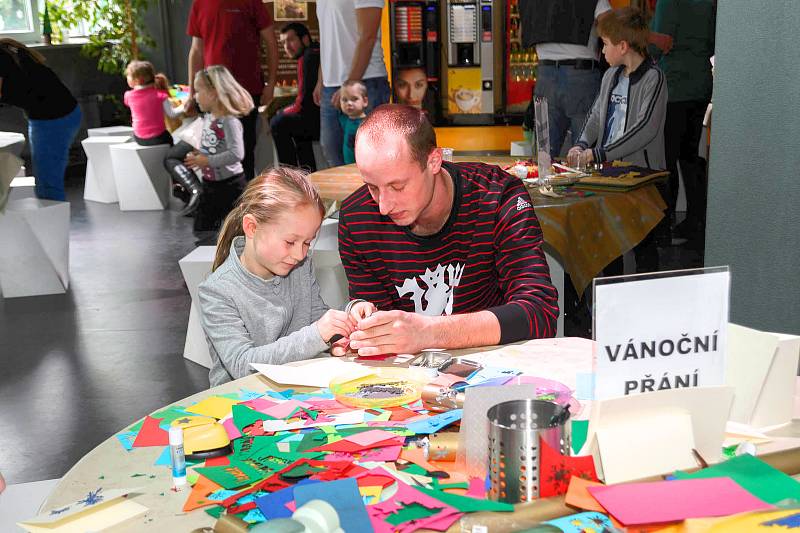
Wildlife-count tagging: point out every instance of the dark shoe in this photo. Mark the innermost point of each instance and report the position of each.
(187, 179)
(180, 193)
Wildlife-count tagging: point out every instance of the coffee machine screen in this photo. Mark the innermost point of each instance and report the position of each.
(463, 27)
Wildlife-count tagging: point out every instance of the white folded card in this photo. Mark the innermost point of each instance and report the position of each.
(312, 373)
(98, 511)
(761, 367)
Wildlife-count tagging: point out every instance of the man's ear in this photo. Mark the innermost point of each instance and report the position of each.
(435, 160)
(249, 225)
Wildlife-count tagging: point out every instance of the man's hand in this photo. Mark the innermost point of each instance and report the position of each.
(267, 96)
(391, 332)
(573, 156)
(195, 160)
(317, 94)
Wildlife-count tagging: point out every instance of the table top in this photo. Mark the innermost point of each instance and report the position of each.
(587, 232)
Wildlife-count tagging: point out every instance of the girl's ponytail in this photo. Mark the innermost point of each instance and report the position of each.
(231, 228)
(161, 82)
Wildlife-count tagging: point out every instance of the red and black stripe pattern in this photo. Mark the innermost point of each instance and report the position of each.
(488, 256)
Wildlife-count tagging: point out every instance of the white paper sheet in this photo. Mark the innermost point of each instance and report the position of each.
(312, 373)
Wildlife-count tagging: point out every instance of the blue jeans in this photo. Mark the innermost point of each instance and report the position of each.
(331, 136)
(570, 93)
(50, 141)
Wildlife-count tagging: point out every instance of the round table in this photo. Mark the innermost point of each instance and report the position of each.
(586, 233)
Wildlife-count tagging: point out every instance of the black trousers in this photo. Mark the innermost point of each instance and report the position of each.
(682, 130)
(217, 201)
(163, 138)
(294, 134)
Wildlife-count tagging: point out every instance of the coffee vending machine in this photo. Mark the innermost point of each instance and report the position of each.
(416, 65)
(470, 28)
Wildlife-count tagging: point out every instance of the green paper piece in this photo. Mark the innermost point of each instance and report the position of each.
(230, 395)
(444, 486)
(730, 451)
(245, 447)
(232, 476)
(415, 470)
(170, 414)
(215, 511)
(301, 471)
(465, 504)
(243, 416)
(137, 426)
(414, 511)
(191, 476)
(579, 430)
(754, 475)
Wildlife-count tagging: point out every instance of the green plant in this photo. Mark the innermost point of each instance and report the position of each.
(117, 31)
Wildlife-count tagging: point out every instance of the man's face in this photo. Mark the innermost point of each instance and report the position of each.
(396, 182)
(292, 44)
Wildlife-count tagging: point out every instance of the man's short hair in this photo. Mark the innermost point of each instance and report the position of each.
(300, 29)
(625, 24)
(411, 123)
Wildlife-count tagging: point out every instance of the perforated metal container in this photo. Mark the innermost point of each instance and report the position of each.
(515, 428)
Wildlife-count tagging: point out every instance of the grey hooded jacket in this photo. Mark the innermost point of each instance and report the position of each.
(643, 141)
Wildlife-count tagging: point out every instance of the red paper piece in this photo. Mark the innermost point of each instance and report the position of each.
(555, 470)
(400, 413)
(347, 446)
(218, 461)
(382, 357)
(374, 480)
(150, 434)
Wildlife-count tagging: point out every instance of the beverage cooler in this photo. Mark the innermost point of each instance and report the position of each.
(461, 60)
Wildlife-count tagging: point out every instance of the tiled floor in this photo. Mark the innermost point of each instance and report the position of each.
(80, 366)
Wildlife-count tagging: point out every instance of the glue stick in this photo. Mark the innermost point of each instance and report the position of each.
(177, 456)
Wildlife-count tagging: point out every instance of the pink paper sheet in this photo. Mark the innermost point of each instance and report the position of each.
(670, 501)
(284, 409)
(406, 495)
(367, 438)
(259, 404)
(231, 429)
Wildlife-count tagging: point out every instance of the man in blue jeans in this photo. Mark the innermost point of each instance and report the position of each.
(350, 49)
(569, 72)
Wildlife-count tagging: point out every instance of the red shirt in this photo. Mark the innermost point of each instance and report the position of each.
(488, 256)
(230, 32)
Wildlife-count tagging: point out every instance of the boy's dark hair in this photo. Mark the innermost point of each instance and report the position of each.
(625, 24)
(301, 30)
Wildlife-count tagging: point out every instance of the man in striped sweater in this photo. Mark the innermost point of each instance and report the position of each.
(449, 253)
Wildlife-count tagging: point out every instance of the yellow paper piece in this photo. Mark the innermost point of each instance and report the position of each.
(97, 518)
(371, 492)
(215, 406)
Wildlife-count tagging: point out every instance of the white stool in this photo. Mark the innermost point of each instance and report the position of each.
(100, 186)
(22, 187)
(142, 181)
(111, 131)
(328, 269)
(195, 267)
(34, 248)
(12, 142)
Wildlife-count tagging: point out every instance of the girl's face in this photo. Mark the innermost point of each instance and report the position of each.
(280, 245)
(411, 86)
(204, 94)
(353, 102)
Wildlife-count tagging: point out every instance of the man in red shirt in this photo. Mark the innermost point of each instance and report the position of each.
(450, 253)
(230, 33)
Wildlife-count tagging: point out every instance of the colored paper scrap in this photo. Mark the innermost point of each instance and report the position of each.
(754, 475)
(578, 495)
(579, 431)
(235, 475)
(164, 458)
(582, 522)
(670, 501)
(214, 406)
(274, 504)
(405, 496)
(126, 439)
(466, 504)
(555, 470)
(151, 434)
(344, 496)
(435, 423)
(247, 395)
(410, 513)
(170, 414)
(244, 416)
(198, 497)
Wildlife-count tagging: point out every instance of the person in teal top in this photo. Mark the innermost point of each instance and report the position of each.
(354, 102)
(687, 66)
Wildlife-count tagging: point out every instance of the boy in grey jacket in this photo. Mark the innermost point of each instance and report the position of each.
(627, 118)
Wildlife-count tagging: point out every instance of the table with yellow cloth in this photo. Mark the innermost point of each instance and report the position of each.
(585, 233)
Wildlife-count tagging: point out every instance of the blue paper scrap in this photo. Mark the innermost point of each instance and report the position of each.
(254, 517)
(343, 495)
(581, 522)
(246, 395)
(164, 459)
(221, 494)
(492, 373)
(435, 423)
(126, 439)
(273, 505)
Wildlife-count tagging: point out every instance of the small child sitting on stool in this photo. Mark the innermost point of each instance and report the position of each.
(149, 102)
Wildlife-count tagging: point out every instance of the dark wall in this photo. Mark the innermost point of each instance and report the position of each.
(753, 217)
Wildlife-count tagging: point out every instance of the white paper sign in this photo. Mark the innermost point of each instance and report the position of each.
(660, 332)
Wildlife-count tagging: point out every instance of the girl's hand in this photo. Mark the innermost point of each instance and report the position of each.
(573, 156)
(360, 311)
(195, 160)
(334, 322)
(340, 347)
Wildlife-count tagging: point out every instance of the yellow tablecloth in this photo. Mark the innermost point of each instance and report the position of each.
(588, 233)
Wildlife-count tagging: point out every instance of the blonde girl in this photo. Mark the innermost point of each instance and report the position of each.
(218, 158)
(261, 303)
